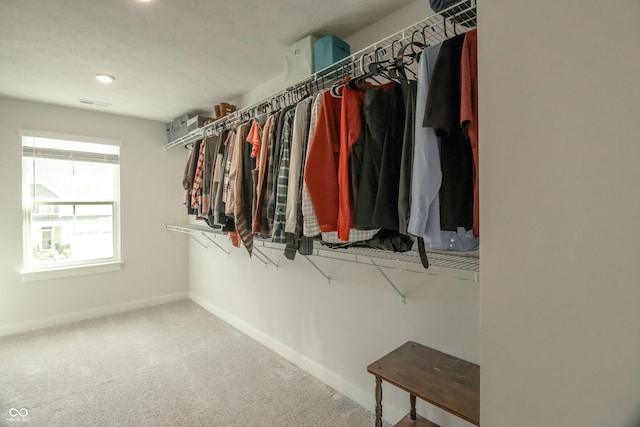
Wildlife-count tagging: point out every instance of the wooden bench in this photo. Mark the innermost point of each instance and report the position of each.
(443, 380)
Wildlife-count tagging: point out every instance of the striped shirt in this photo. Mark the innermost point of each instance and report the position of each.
(282, 187)
(266, 220)
(196, 193)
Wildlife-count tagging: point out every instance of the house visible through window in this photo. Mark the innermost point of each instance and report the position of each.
(70, 200)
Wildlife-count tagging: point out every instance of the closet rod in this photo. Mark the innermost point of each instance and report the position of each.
(456, 19)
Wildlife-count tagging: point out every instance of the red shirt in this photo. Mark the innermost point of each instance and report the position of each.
(321, 170)
(350, 128)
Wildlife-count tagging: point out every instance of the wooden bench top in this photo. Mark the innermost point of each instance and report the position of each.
(443, 380)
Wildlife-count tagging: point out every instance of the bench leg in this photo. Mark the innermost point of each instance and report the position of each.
(412, 400)
(378, 402)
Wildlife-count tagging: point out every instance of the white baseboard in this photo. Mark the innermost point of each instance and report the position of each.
(47, 322)
(364, 398)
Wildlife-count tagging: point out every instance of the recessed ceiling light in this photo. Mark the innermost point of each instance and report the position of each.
(105, 78)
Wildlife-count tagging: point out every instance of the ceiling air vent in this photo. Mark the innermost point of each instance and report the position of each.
(94, 103)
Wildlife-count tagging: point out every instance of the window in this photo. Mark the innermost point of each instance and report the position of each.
(70, 190)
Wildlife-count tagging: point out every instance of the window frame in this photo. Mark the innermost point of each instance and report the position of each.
(32, 272)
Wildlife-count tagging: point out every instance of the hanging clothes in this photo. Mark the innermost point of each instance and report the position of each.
(212, 145)
(409, 92)
(321, 172)
(255, 138)
(368, 165)
(189, 175)
(305, 244)
(376, 205)
(274, 168)
(241, 152)
(231, 171)
(248, 178)
(350, 130)
(196, 192)
(282, 181)
(469, 112)
(426, 175)
(219, 210)
(298, 143)
(310, 226)
(456, 159)
(259, 223)
(216, 177)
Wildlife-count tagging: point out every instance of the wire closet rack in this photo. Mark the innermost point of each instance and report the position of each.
(456, 19)
(460, 266)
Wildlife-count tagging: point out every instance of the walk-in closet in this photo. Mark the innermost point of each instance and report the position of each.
(247, 214)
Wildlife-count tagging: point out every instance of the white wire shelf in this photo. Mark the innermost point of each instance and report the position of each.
(460, 266)
(192, 136)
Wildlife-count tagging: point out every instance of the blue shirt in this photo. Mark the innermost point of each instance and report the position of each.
(426, 176)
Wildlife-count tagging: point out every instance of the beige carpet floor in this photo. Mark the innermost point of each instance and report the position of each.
(170, 365)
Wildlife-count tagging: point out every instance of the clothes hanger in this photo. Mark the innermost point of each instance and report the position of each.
(377, 68)
(342, 75)
(415, 43)
(400, 66)
(424, 36)
(393, 52)
(444, 24)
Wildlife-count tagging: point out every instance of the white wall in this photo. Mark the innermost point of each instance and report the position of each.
(334, 331)
(397, 21)
(559, 149)
(393, 23)
(155, 261)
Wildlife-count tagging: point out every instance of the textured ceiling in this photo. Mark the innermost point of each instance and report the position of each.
(169, 57)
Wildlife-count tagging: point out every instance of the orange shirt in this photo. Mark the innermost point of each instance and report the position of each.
(255, 138)
(321, 170)
(350, 128)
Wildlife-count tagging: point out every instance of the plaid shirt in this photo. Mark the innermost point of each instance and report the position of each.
(280, 214)
(354, 236)
(310, 226)
(197, 182)
(187, 180)
(219, 205)
(272, 178)
(266, 223)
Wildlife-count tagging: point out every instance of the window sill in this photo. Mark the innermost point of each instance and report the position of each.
(79, 270)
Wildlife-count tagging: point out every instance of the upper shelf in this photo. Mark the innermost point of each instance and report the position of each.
(436, 28)
(192, 136)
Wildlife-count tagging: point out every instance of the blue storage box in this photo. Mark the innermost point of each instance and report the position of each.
(329, 50)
